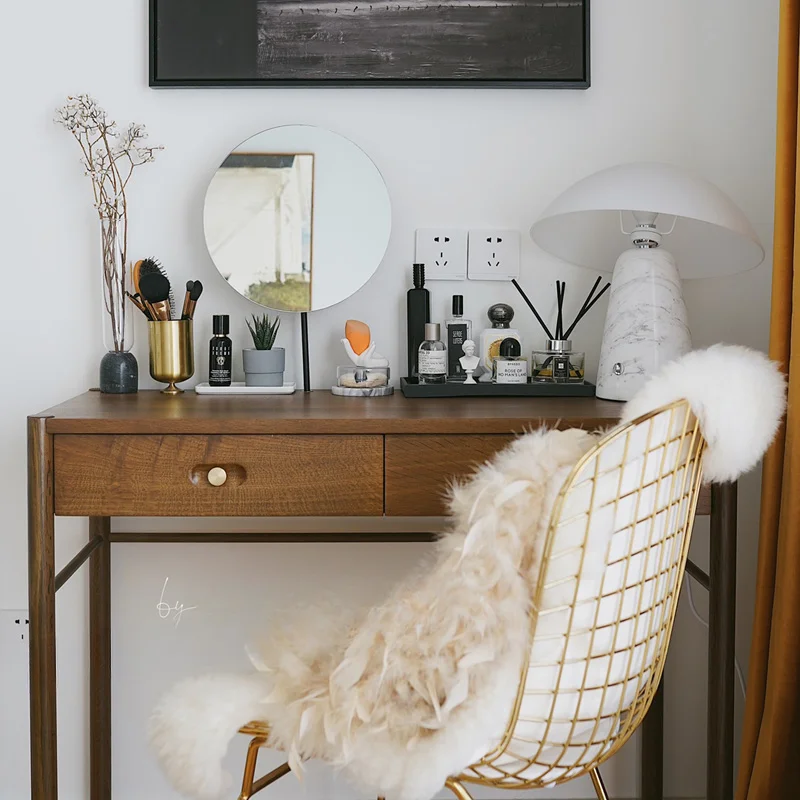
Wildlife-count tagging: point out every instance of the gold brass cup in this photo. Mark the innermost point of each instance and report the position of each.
(171, 353)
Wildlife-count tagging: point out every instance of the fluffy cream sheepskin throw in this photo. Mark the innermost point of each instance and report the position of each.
(408, 693)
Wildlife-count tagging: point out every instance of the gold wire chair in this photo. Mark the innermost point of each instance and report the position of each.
(601, 620)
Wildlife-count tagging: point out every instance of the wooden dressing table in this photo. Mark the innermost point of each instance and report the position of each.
(305, 455)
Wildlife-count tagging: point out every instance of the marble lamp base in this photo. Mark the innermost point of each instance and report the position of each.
(645, 323)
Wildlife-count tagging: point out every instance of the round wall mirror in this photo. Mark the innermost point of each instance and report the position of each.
(297, 218)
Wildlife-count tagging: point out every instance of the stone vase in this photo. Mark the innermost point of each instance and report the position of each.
(119, 373)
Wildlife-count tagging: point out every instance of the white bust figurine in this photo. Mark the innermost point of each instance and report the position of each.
(469, 361)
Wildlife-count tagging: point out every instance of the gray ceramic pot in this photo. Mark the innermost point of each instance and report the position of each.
(264, 367)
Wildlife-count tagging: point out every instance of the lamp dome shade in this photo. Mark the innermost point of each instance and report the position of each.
(712, 236)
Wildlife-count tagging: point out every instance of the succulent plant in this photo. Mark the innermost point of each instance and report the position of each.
(264, 331)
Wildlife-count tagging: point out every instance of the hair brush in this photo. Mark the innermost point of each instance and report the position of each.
(155, 295)
(150, 266)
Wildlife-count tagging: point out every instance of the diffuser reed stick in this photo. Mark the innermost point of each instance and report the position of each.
(561, 287)
(561, 291)
(532, 308)
(587, 304)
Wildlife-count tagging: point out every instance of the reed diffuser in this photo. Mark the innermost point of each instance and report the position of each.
(557, 362)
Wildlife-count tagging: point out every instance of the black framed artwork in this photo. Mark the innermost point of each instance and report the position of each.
(519, 43)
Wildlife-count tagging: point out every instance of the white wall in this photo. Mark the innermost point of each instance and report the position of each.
(682, 81)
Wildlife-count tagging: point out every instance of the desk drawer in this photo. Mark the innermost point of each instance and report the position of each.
(419, 469)
(147, 475)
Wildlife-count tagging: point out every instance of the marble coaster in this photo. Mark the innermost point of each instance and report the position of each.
(378, 391)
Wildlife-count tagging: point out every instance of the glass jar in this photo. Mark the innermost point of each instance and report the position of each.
(557, 363)
(351, 377)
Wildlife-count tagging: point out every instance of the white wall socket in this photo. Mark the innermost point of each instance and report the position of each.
(14, 626)
(493, 255)
(443, 252)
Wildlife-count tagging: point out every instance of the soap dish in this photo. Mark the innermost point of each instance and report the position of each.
(241, 389)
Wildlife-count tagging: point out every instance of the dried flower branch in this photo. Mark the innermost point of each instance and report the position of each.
(109, 157)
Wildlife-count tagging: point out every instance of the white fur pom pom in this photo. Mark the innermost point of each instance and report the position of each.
(736, 393)
(193, 724)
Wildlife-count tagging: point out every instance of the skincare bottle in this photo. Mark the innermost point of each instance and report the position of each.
(432, 356)
(500, 315)
(458, 330)
(220, 351)
(510, 366)
(418, 314)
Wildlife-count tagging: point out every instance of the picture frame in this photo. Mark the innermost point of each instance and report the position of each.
(309, 43)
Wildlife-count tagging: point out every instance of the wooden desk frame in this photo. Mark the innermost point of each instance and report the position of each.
(318, 413)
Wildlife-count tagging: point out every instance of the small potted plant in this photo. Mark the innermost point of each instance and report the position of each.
(264, 364)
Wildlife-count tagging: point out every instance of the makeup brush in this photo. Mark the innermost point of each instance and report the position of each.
(186, 298)
(137, 301)
(150, 266)
(194, 296)
(155, 295)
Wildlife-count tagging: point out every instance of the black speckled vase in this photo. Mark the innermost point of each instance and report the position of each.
(119, 373)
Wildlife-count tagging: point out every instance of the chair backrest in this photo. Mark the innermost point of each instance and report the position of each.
(605, 603)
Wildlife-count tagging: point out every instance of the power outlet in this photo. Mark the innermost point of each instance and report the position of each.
(14, 628)
(443, 252)
(14, 730)
(493, 255)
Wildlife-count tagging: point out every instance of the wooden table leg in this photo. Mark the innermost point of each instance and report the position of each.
(100, 661)
(652, 765)
(42, 612)
(721, 641)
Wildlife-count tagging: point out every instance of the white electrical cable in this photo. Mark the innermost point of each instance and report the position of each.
(704, 623)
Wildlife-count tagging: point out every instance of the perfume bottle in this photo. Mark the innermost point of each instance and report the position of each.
(510, 366)
(500, 315)
(418, 313)
(432, 356)
(220, 351)
(458, 330)
(558, 363)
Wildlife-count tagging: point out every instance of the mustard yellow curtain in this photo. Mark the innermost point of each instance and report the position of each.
(769, 767)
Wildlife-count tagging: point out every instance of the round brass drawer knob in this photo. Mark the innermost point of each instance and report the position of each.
(217, 476)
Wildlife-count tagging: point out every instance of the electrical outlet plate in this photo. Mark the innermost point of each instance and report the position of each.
(443, 251)
(14, 627)
(14, 729)
(493, 255)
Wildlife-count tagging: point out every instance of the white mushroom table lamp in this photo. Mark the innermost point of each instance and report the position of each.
(623, 213)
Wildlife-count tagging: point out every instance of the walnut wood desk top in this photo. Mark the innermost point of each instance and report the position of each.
(321, 412)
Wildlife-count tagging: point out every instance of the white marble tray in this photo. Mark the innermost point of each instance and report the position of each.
(240, 388)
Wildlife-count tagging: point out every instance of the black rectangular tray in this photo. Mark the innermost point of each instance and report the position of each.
(411, 387)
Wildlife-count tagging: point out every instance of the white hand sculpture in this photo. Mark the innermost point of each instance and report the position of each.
(369, 358)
